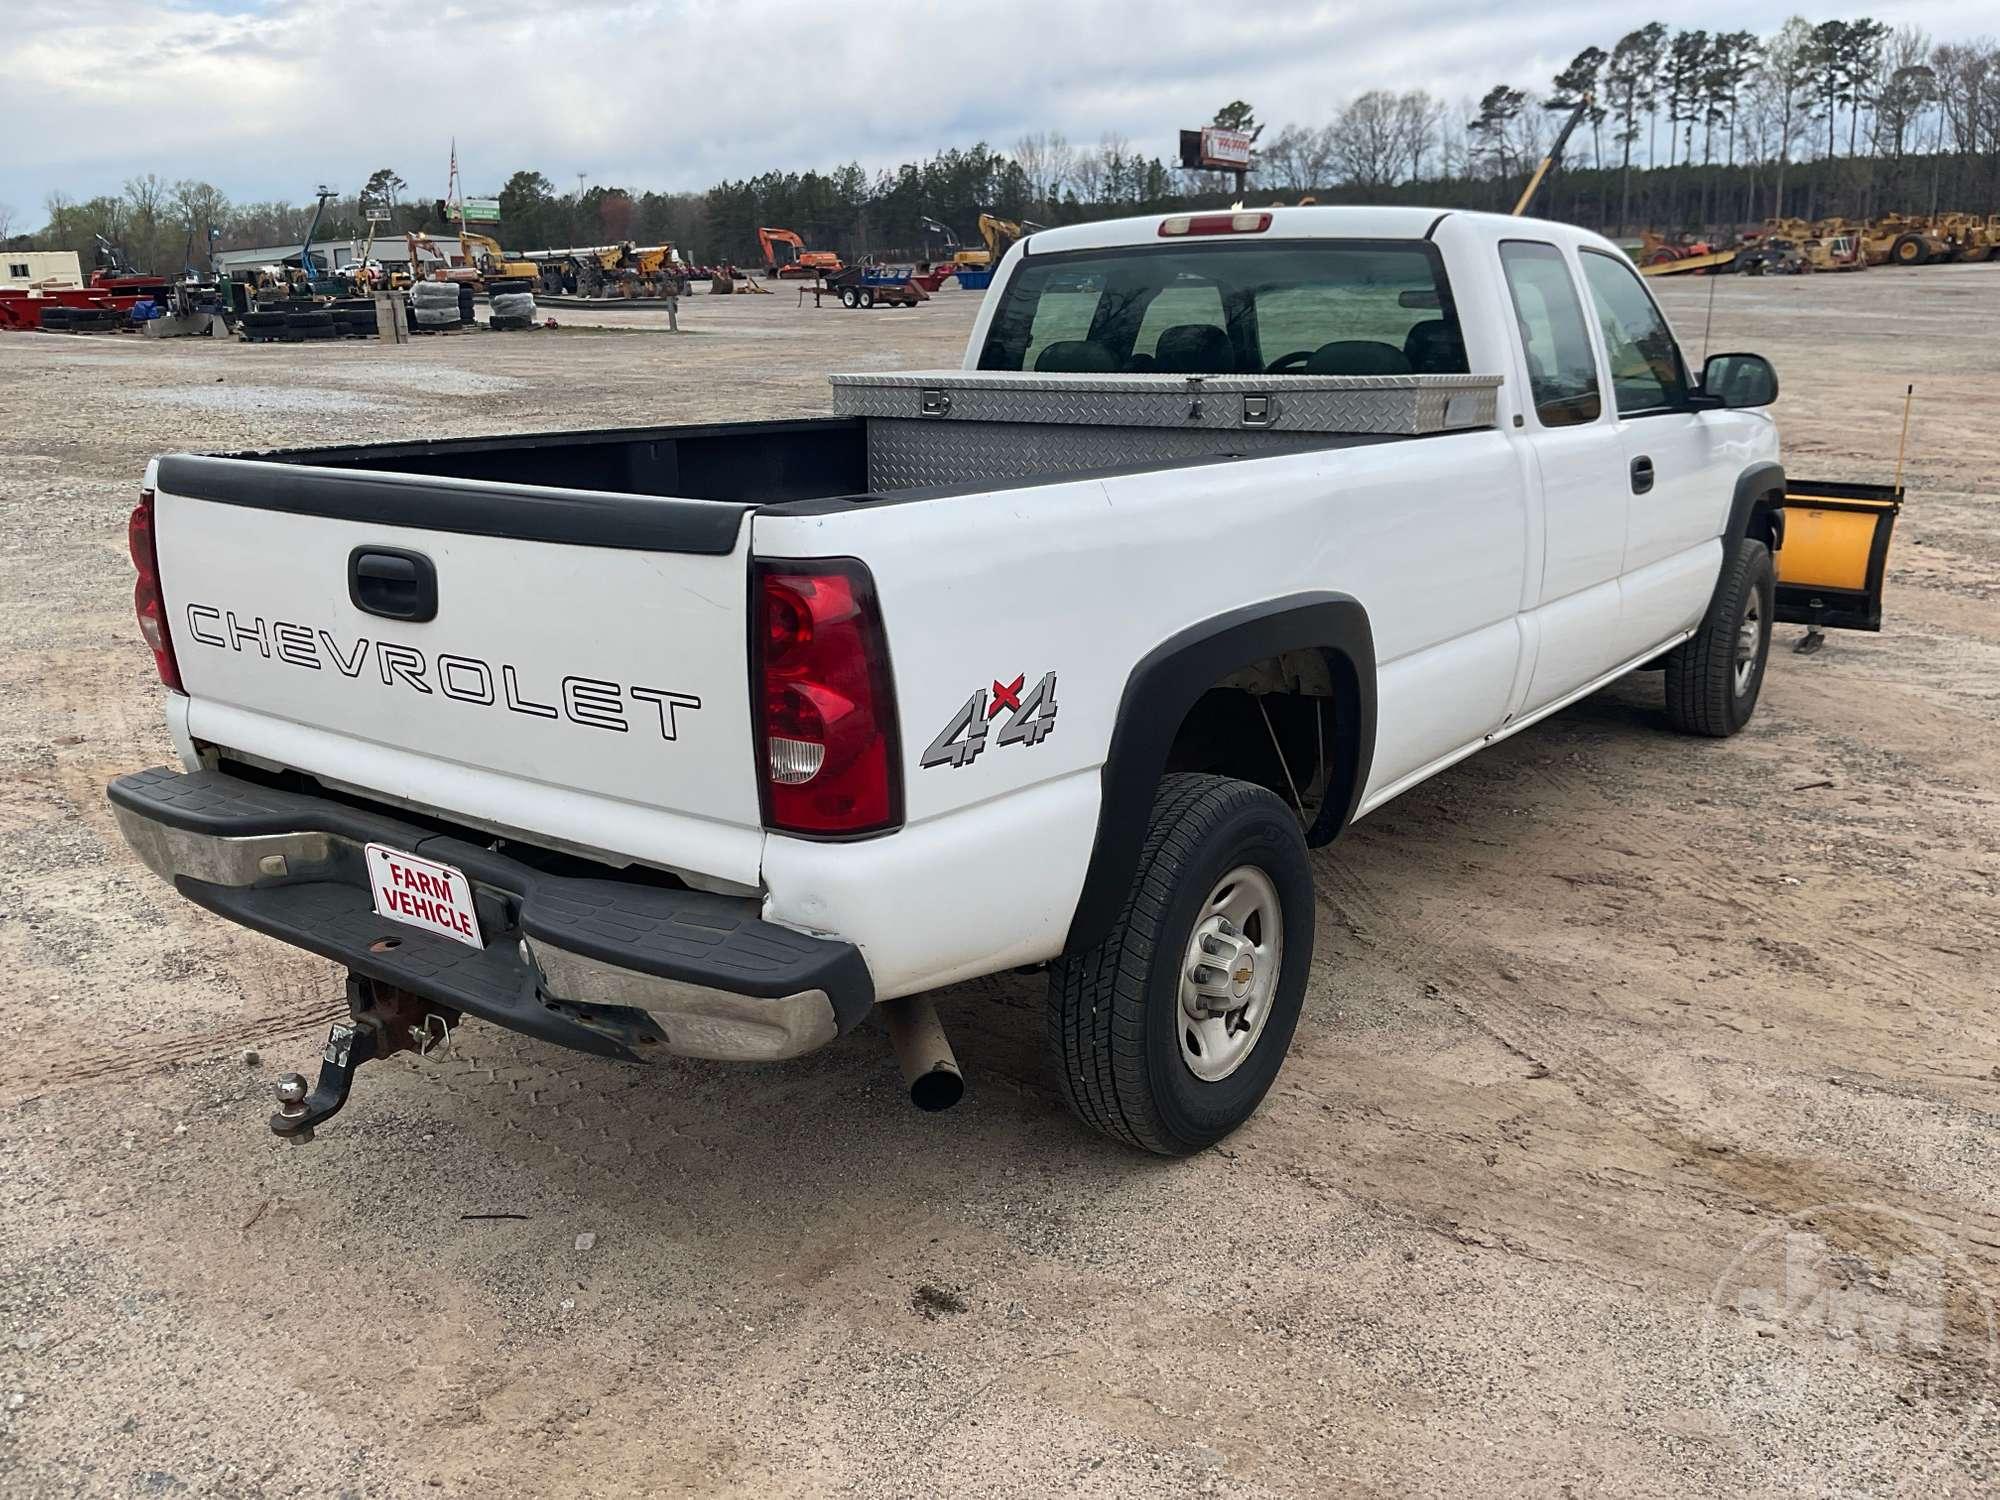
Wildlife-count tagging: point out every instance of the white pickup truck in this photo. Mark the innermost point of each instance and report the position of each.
(709, 740)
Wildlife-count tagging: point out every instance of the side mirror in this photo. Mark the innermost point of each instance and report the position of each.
(1739, 380)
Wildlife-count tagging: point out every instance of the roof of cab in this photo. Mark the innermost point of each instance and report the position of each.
(1310, 222)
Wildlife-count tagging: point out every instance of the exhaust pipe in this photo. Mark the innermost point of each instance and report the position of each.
(928, 1066)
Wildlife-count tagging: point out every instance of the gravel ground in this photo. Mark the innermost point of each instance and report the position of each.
(1639, 1137)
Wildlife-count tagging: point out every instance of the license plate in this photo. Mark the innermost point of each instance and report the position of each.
(423, 894)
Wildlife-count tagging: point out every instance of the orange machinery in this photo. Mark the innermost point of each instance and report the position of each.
(785, 254)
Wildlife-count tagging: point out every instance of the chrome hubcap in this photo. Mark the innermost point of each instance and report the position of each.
(1748, 637)
(1230, 973)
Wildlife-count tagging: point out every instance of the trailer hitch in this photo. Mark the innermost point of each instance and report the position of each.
(383, 1020)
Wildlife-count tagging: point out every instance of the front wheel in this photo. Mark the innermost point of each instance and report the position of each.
(1714, 676)
(1167, 1034)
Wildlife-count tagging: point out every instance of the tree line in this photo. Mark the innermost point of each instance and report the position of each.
(1685, 129)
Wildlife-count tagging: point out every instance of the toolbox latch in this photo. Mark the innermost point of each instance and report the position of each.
(1260, 410)
(936, 403)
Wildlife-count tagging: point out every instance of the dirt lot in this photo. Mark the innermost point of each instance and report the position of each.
(1596, 1019)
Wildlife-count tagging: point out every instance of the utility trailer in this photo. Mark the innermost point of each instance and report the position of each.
(878, 286)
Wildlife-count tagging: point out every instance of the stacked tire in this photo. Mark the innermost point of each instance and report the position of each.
(95, 320)
(434, 305)
(512, 311)
(263, 326)
(301, 327)
(56, 319)
(354, 318)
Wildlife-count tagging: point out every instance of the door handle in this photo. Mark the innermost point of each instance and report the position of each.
(1642, 474)
(392, 583)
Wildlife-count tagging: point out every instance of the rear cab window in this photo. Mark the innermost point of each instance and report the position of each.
(1562, 370)
(1300, 307)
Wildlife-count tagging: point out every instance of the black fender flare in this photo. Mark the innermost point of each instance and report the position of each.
(1167, 682)
(1755, 487)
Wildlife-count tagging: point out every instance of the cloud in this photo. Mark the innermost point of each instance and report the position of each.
(267, 98)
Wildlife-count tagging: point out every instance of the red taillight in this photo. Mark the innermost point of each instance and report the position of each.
(825, 709)
(147, 601)
(1236, 223)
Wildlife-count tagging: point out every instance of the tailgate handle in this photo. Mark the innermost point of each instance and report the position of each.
(392, 583)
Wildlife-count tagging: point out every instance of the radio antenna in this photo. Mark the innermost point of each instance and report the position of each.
(1710, 319)
(1903, 442)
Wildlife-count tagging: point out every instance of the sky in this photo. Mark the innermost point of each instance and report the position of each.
(268, 98)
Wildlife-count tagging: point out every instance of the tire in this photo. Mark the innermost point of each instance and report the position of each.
(849, 297)
(500, 323)
(55, 319)
(1714, 677)
(867, 296)
(1117, 1023)
(1908, 251)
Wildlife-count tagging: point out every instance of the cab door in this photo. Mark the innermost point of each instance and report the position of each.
(1680, 464)
(1571, 622)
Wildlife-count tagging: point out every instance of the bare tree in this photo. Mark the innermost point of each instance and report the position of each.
(6, 221)
(1046, 160)
(1123, 171)
(1419, 117)
(147, 196)
(1367, 149)
(1299, 158)
(200, 207)
(1087, 176)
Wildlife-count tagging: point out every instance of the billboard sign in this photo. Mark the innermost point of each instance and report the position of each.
(482, 210)
(1214, 149)
(1228, 150)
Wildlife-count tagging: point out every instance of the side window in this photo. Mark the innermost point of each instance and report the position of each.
(1646, 369)
(1562, 372)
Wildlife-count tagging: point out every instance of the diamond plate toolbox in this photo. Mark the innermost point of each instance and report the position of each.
(1398, 405)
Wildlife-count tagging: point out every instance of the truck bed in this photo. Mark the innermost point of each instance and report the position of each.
(936, 431)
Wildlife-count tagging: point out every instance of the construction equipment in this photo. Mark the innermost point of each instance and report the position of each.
(1577, 113)
(621, 272)
(313, 273)
(1895, 239)
(1968, 237)
(785, 255)
(1793, 247)
(727, 281)
(998, 234)
(491, 262)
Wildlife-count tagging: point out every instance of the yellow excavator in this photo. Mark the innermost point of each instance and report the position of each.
(492, 262)
(998, 234)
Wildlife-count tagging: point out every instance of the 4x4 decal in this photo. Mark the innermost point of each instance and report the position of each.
(1031, 718)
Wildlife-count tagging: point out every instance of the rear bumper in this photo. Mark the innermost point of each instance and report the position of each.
(606, 966)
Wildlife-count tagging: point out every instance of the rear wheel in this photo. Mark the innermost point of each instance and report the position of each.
(1909, 251)
(1168, 1033)
(1714, 677)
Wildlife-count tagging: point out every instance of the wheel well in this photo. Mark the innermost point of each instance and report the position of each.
(1209, 676)
(1767, 520)
(1286, 722)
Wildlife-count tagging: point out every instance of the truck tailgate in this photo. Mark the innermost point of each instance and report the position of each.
(469, 648)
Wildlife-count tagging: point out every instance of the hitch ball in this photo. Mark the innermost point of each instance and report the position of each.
(292, 1090)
